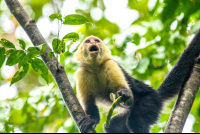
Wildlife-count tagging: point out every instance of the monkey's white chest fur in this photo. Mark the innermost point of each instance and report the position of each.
(99, 81)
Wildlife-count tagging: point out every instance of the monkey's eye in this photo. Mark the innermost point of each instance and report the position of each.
(88, 41)
(97, 41)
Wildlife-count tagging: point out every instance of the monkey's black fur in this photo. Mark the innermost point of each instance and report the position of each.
(148, 102)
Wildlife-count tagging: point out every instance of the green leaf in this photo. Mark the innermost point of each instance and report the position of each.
(136, 39)
(10, 51)
(7, 43)
(7, 127)
(15, 57)
(155, 129)
(28, 57)
(43, 48)
(32, 49)
(67, 54)
(56, 16)
(17, 118)
(39, 66)
(61, 47)
(74, 19)
(72, 35)
(20, 74)
(55, 44)
(22, 44)
(50, 54)
(2, 56)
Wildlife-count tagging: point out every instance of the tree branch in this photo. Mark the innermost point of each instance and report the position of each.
(58, 73)
(184, 102)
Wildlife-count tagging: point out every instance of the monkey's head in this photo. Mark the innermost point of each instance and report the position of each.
(92, 49)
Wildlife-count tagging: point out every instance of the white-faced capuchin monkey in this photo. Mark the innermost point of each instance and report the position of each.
(99, 75)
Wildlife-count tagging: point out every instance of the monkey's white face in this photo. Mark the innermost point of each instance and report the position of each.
(93, 45)
(92, 49)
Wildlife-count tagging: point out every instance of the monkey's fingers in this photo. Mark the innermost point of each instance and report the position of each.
(125, 94)
(86, 123)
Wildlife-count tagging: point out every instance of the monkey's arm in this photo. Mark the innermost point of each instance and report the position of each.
(118, 82)
(85, 89)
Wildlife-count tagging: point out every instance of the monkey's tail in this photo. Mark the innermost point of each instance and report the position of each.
(181, 71)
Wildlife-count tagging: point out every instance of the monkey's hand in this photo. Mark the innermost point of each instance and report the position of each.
(86, 123)
(126, 96)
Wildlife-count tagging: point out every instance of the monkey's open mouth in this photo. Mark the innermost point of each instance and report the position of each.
(93, 49)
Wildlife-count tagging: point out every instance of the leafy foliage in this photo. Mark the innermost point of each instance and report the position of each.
(22, 58)
(22, 44)
(2, 56)
(74, 19)
(72, 35)
(50, 54)
(15, 57)
(56, 16)
(20, 74)
(148, 48)
(39, 66)
(28, 57)
(55, 44)
(7, 43)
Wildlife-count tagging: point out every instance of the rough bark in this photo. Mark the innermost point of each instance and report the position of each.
(57, 72)
(185, 101)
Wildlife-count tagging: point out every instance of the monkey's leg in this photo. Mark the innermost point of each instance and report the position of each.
(137, 124)
(144, 113)
(118, 123)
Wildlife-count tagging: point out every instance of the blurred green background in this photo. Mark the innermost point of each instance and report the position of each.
(145, 36)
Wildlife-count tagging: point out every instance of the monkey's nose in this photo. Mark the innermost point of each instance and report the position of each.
(93, 42)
